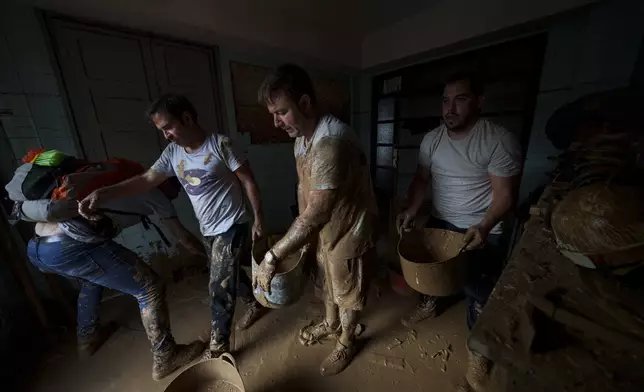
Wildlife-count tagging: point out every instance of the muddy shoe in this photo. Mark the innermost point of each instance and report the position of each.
(181, 355)
(425, 309)
(313, 334)
(253, 313)
(88, 346)
(478, 371)
(213, 353)
(338, 360)
(463, 386)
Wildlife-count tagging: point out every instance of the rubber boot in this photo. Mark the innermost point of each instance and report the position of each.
(182, 354)
(86, 347)
(254, 312)
(425, 309)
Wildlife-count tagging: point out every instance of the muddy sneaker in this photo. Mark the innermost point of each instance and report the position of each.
(253, 313)
(425, 309)
(312, 334)
(88, 346)
(478, 370)
(181, 355)
(338, 360)
(213, 353)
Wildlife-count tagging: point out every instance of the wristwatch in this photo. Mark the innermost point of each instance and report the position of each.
(270, 257)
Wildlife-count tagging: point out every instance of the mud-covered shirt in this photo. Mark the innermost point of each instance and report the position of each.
(208, 177)
(334, 160)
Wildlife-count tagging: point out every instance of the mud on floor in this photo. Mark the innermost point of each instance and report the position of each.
(431, 356)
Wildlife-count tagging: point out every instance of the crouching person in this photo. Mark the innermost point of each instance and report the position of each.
(71, 246)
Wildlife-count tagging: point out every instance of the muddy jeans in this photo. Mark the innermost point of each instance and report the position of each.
(107, 264)
(226, 280)
(484, 267)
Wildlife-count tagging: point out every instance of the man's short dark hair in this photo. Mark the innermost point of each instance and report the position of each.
(174, 105)
(473, 78)
(290, 79)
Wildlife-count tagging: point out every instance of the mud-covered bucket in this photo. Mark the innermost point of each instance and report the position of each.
(431, 262)
(287, 285)
(212, 375)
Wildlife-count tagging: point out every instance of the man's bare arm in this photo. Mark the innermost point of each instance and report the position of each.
(131, 187)
(417, 190)
(247, 179)
(503, 200)
(301, 199)
(308, 224)
(415, 199)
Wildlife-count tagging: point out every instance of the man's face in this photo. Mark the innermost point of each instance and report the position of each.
(174, 130)
(460, 106)
(287, 114)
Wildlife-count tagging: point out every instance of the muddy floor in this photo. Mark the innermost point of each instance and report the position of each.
(429, 357)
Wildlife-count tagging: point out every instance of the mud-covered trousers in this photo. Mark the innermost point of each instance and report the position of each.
(226, 281)
(107, 264)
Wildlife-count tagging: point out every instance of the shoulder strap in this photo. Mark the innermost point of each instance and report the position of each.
(145, 220)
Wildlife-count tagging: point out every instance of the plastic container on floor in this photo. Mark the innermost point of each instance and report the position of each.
(212, 375)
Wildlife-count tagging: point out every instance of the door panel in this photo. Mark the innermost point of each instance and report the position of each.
(109, 91)
(189, 71)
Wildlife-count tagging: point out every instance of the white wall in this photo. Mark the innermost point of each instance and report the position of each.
(592, 51)
(35, 114)
(445, 22)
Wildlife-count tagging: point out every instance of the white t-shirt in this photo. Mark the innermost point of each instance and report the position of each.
(207, 176)
(460, 169)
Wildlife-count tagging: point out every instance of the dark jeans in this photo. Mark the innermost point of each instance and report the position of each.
(226, 280)
(110, 265)
(484, 267)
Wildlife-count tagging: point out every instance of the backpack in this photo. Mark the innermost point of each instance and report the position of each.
(79, 184)
(66, 178)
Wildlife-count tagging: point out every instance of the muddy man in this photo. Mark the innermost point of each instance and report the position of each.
(337, 210)
(214, 175)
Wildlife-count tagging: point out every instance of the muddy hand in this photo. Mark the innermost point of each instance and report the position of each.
(258, 230)
(264, 276)
(475, 237)
(404, 222)
(87, 207)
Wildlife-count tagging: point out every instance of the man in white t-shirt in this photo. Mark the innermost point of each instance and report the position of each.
(473, 166)
(214, 175)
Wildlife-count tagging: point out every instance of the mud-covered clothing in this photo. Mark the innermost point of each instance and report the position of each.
(484, 266)
(334, 160)
(344, 282)
(208, 177)
(107, 264)
(227, 279)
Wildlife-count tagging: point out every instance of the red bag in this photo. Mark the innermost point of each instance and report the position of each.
(78, 185)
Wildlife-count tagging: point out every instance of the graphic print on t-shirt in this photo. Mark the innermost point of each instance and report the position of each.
(193, 180)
